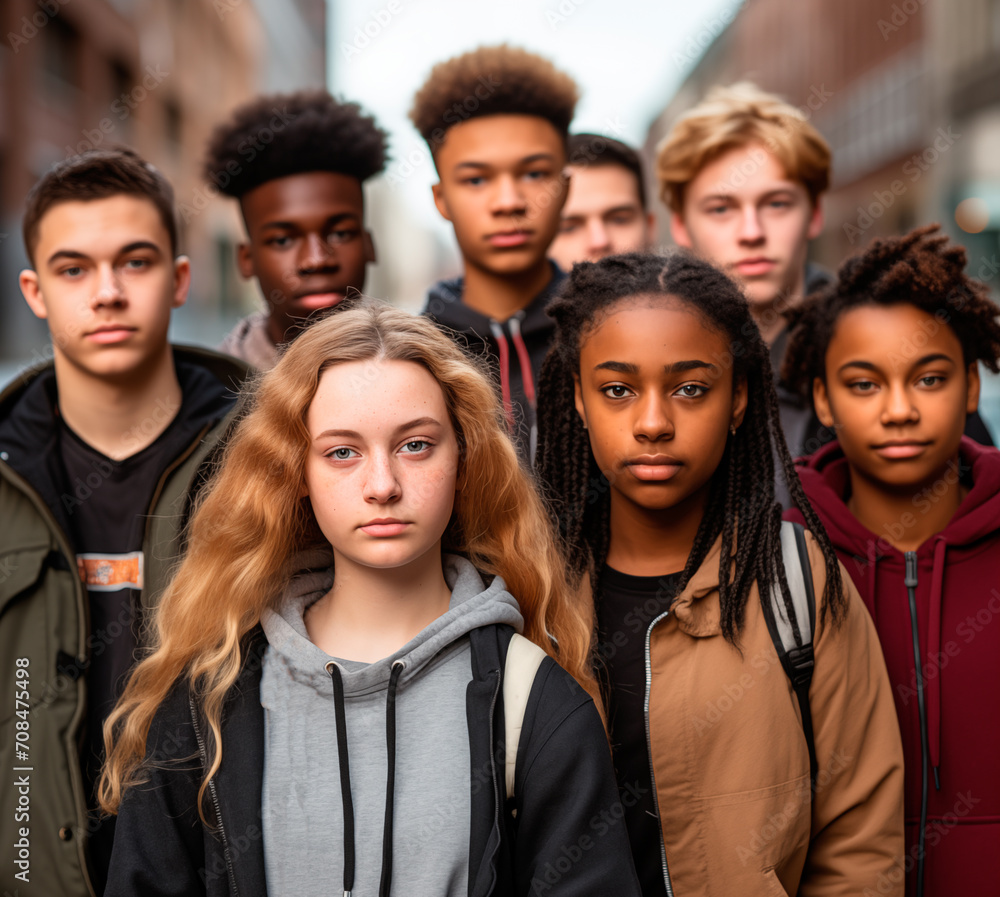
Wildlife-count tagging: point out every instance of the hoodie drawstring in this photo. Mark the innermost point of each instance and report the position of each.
(872, 563)
(911, 588)
(504, 352)
(385, 882)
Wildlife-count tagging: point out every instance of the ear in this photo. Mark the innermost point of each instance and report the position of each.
(578, 400)
(369, 247)
(440, 201)
(816, 222)
(32, 292)
(821, 402)
(244, 260)
(679, 231)
(972, 398)
(182, 280)
(740, 397)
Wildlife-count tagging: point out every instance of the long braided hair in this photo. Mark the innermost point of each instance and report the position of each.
(742, 489)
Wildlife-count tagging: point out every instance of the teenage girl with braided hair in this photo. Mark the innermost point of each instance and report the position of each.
(344, 608)
(658, 437)
(889, 355)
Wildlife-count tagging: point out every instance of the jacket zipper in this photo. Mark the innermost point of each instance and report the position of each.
(493, 775)
(649, 753)
(215, 796)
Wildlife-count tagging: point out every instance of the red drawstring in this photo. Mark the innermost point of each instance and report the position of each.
(524, 359)
(508, 405)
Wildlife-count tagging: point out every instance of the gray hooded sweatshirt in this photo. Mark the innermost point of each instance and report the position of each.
(427, 848)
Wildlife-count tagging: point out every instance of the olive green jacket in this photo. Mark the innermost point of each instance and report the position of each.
(44, 650)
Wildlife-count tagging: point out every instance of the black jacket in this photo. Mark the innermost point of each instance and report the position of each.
(566, 836)
(500, 342)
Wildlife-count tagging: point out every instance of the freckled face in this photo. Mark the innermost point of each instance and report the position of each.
(657, 398)
(382, 466)
(898, 390)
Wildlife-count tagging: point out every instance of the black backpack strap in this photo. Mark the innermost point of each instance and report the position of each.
(797, 660)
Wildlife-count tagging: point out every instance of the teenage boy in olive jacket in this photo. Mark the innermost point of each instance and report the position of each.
(101, 450)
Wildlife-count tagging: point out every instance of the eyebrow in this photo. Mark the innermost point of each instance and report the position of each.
(293, 225)
(410, 425)
(770, 193)
(678, 367)
(74, 255)
(869, 366)
(527, 160)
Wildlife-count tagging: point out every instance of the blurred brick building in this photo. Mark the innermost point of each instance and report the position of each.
(153, 74)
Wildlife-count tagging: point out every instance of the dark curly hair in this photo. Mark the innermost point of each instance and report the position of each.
(492, 81)
(742, 488)
(292, 133)
(923, 269)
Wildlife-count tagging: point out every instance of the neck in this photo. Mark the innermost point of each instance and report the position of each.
(898, 516)
(499, 296)
(769, 315)
(653, 543)
(123, 415)
(371, 613)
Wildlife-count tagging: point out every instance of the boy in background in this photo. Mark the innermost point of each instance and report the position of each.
(496, 121)
(890, 356)
(101, 451)
(606, 211)
(296, 163)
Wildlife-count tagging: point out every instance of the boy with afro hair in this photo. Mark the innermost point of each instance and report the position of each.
(497, 121)
(296, 163)
(889, 356)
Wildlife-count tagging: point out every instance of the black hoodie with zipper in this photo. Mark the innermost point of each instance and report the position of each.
(561, 834)
(515, 348)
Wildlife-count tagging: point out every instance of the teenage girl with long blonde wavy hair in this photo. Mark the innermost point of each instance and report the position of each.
(324, 694)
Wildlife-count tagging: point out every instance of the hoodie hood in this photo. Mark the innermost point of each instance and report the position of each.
(826, 479)
(473, 605)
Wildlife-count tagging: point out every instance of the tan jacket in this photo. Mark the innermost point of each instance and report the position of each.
(731, 764)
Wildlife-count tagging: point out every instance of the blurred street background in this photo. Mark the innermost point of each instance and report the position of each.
(907, 92)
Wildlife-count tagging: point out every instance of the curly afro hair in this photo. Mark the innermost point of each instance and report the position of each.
(282, 134)
(922, 269)
(492, 81)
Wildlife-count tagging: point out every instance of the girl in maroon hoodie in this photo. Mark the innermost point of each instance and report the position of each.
(889, 356)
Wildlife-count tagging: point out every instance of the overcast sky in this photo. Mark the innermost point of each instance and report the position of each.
(628, 56)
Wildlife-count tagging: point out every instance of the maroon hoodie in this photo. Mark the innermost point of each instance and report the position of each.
(958, 622)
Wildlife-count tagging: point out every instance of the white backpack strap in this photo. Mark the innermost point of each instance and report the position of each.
(524, 658)
(797, 586)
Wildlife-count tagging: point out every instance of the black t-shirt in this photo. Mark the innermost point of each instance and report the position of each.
(626, 606)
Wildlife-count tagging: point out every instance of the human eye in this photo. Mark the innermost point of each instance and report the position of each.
(863, 387)
(279, 241)
(342, 235)
(616, 391)
(716, 209)
(341, 453)
(71, 271)
(622, 218)
(474, 180)
(136, 264)
(415, 446)
(567, 227)
(691, 391)
(931, 380)
(537, 174)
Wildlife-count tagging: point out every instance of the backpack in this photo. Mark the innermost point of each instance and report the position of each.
(524, 657)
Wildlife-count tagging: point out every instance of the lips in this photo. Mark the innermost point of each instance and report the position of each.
(900, 449)
(319, 299)
(653, 468)
(755, 267)
(107, 334)
(509, 239)
(382, 527)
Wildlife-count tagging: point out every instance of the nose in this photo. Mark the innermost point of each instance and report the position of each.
(751, 231)
(898, 408)
(507, 196)
(109, 288)
(316, 254)
(652, 421)
(381, 484)
(598, 241)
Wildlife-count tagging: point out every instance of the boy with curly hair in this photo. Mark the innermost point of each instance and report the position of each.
(889, 356)
(497, 121)
(296, 163)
